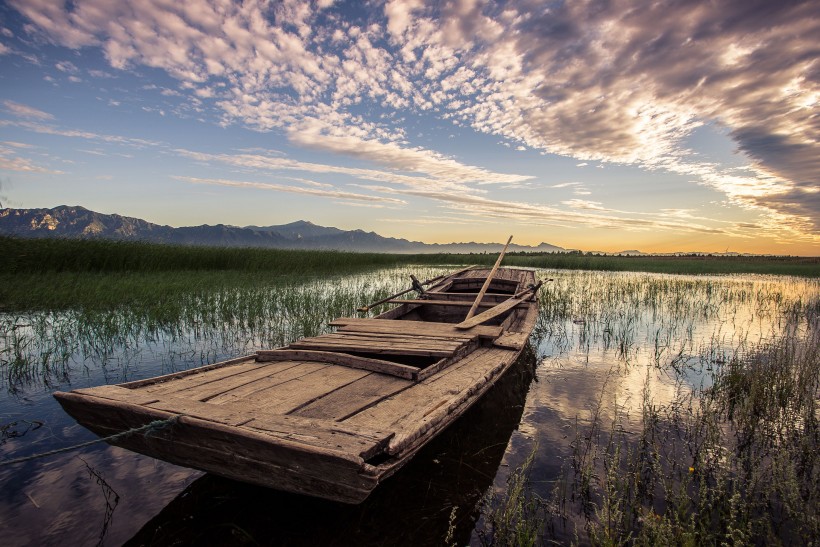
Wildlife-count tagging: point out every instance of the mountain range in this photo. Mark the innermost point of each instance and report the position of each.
(78, 222)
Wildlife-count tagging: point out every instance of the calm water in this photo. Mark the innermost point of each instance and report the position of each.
(603, 344)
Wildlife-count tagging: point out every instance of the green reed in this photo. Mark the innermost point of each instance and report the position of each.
(733, 457)
(186, 327)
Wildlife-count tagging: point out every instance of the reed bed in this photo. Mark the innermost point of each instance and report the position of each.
(722, 445)
(183, 328)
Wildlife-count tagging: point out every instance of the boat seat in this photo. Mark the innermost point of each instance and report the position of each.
(385, 343)
(414, 328)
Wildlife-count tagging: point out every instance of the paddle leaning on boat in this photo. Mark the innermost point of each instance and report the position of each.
(332, 415)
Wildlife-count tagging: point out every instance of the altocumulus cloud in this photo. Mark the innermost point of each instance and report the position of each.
(613, 81)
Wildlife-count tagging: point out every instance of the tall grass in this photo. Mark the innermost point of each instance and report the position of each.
(61, 255)
(195, 324)
(728, 452)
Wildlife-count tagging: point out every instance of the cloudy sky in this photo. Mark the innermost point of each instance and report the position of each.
(592, 124)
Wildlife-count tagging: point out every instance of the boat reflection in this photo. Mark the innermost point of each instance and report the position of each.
(411, 508)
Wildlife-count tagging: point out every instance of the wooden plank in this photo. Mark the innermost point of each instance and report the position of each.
(420, 328)
(501, 308)
(489, 280)
(425, 302)
(406, 337)
(301, 429)
(265, 374)
(353, 397)
(512, 340)
(286, 397)
(343, 359)
(118, 393)
(370, 339)
(327, 345)
(254, 456)
(188, 381)
(393, 411)
(493, 312)
(180, 374)
(460, 353)
(242, 392)
(443, 407)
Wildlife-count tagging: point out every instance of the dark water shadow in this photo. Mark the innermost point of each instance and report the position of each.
(411, 508)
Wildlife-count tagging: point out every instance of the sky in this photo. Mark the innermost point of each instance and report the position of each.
(600, 125)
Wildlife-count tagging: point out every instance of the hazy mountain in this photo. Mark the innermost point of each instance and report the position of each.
(79, 222)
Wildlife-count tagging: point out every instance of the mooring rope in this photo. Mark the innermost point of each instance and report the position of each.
(146, 430)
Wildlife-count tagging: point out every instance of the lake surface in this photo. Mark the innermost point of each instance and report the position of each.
(605, 346)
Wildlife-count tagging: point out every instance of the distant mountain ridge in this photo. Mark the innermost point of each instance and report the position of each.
(81, 223)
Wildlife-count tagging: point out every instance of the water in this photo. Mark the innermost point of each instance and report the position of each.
(604, 343)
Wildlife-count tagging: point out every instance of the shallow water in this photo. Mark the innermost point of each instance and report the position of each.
(604, 342)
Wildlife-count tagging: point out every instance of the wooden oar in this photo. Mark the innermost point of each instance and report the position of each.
(487, 282)
(433, 280)
(498, 309)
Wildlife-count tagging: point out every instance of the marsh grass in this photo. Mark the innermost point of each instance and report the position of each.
(733, 457)
(184, 328)
(516, 517)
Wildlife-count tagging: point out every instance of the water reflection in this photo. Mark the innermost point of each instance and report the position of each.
(411, 508)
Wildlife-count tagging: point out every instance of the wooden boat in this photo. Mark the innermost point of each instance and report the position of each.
(332, 415)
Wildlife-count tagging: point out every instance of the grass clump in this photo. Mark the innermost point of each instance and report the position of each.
(516, 517)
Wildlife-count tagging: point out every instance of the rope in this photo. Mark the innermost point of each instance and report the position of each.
(146, 430)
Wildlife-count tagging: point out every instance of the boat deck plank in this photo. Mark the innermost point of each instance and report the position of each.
(194, 379)
(416, 328)
(377, 344)
(353, 397)
(285, 376)
(288, 396)
(425, 396)
(409, 341)
(406, 337)
(272, 373)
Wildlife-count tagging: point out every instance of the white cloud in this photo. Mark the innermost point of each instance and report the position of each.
(335, 194)
(25, 111)
(10, 161)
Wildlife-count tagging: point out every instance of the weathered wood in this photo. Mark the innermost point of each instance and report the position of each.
(270, 373)
(464, 387)
(117, 393)
(493, 312)
(489, 280)
(242, 392)
(370, 339)
(286, 397)
(192, 380)
(343, 359)
(512, 340)
(498, 309)
(325, 344)
(183, 373)
(394, 412)
(390, 337)
(435, 368)
(456, 303)
(417, 328)
(254, 456)
(353, 397)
